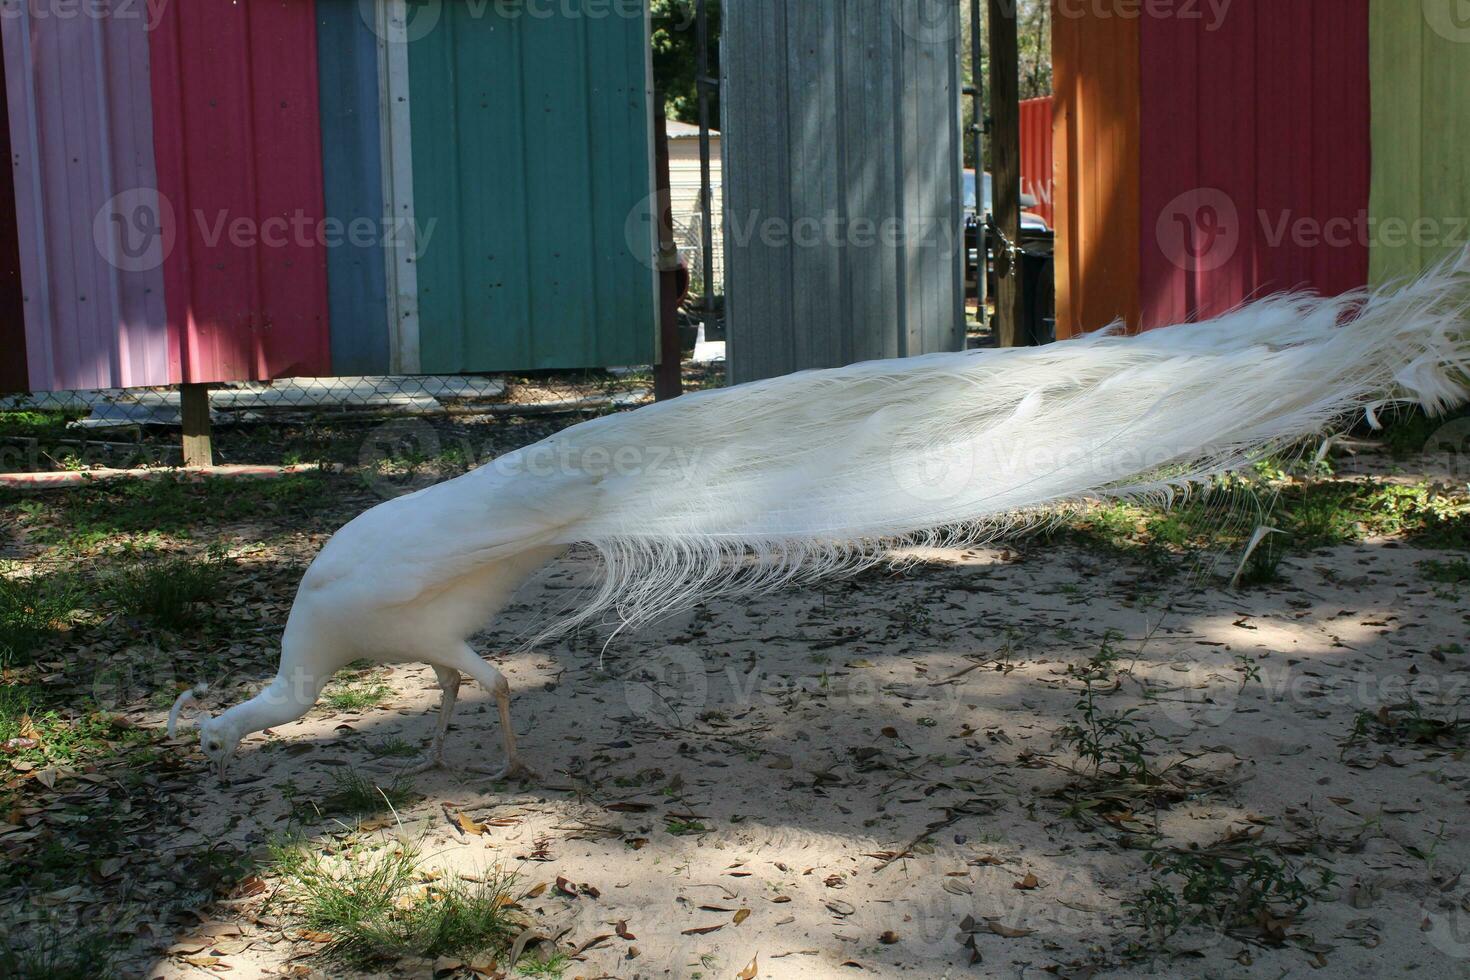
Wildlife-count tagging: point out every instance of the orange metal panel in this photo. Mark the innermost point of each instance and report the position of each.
(1096, 135)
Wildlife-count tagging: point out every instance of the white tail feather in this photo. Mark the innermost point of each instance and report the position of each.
(744, 489)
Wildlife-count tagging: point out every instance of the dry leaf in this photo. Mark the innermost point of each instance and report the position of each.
(750, 971)
(702, 930)
(467, 825)
(1027, 883)
(741, 916)
(537, 891)
(1008, 932)
(622, 930)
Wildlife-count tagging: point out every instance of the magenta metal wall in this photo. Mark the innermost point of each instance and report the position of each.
(86, 214)
(1255, 156)
(238, 136)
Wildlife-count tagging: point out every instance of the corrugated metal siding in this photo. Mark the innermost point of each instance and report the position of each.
(1421, 135)
(1096, 142)
(13, 375)
(531, 188)
(238, 139)
(1037, 176)
(840, 116)
(352, 162)
(77, 92)
(1255, 155)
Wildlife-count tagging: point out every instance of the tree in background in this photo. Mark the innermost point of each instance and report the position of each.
(1033, 30)
(674, 58)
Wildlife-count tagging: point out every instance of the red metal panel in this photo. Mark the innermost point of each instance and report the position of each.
(238, 140)
(1256, 154)
(1037, 178)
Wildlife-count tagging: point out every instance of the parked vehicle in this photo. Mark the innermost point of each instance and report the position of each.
(1037, 241)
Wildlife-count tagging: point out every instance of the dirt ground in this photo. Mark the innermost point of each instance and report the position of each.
(868, 777)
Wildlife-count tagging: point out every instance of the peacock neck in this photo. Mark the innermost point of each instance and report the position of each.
(284, 699)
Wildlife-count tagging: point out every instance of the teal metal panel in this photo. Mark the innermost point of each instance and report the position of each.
(532, 175)
(347, 60)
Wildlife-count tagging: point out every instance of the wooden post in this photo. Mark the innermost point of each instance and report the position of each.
(1005, 154)
(668, 381)
(194, 407)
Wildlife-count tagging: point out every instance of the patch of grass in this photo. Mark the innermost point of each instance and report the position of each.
(170, 591)
(176, 506)
(1455, 571)
(45, 426)
(377, 905)
(1236, 886)
(356, 795)
(59, 738)
(33, 608)
(1406, 724)
(684, 828)
(392, 747)
(51, 954)
(355, 697)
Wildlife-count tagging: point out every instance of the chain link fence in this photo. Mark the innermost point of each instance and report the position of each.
(318, 421)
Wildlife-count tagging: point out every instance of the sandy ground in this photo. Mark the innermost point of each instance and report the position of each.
(872, 769)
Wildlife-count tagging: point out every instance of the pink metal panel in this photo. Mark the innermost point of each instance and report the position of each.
(86, 211)
(13, 375)
(1255, 155)
(1037, 177)
(238, 136)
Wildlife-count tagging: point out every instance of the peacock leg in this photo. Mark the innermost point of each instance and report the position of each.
(494, 681)
(449, 685)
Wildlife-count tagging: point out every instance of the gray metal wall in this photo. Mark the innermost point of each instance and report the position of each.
(844, 236)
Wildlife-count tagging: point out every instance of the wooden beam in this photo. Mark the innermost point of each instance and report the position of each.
(668, 382)
(1005, 163)
(198, 443)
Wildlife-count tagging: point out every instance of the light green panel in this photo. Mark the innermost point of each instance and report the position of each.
(1420, 204)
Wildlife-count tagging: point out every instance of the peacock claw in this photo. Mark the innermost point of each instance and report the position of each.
(511, 770)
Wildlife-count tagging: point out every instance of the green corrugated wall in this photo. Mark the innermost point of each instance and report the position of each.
(1421, 131)
(529, 163)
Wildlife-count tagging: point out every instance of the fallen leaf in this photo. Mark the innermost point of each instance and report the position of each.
(750, 971)
(741, 916)
(622, 930)
(1008, 932)
(1027, 883)
(468, 825)
(702, 930)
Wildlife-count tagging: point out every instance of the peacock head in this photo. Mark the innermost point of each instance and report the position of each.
(217, 740)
